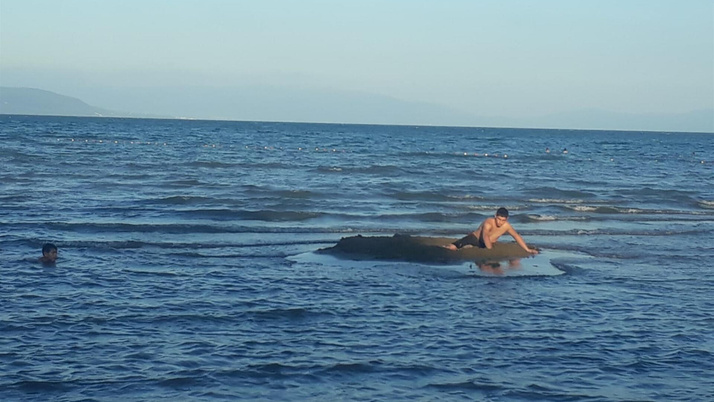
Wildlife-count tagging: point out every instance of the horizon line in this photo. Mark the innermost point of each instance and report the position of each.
(355, 124)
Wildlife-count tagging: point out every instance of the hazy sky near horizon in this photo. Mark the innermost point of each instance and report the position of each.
(492, 57)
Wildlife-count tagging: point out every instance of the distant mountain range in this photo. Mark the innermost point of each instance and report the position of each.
(32, 101)
(295, 105)
(38, 102)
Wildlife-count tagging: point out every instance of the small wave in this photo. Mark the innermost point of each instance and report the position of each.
(183, 183)
(608, 232)
(180, 382)
(555, 201)
(588, 208)
(265, 165)
(280, 216)
(421, 196)
(273, 370)
(467, 197)
(561, 194)
(542, 218)
(179, 200)
(129, 245)
(567, 267)
(706, 204)
(658, 193)
(467, 386)
(262, 215)
(195, 318)
(210, 164)
(152, 273)
(296, 194)
(552, 218)
(296, 313)
(42, 386)
(610, 210)
(329, 169)
(177, 228)
(425, 217)
(379, 170)
(629, 210)
(9, 199)
(351, 368)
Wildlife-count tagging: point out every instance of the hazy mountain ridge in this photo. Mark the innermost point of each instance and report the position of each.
(33, 101)
(264, 103)
(40, 102)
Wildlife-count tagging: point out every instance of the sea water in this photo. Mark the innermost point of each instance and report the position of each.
(179, 276)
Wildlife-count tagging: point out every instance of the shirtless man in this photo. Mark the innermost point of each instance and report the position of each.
(488, 233)
(49, 254)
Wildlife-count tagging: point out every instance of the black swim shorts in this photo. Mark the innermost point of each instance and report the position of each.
(469, 239)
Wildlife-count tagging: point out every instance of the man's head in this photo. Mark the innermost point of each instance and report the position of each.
(501, 216)
(49, 252)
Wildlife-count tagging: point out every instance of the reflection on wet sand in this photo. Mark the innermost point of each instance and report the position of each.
(497, 267)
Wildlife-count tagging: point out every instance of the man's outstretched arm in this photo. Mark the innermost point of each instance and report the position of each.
(520, 241)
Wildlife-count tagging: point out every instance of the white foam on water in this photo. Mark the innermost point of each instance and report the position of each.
(554, 201)
(706, 204)
(582, 208)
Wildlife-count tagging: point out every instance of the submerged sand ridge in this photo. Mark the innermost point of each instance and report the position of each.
(418, 249)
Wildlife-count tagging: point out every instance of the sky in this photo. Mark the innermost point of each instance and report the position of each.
(512, 60)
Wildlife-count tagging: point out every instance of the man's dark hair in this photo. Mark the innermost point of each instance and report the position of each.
(502, 212)
(47, 247)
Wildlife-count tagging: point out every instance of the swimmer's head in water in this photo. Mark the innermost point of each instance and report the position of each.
(49, 252)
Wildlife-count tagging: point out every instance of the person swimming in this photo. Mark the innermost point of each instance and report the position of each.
(49, 254)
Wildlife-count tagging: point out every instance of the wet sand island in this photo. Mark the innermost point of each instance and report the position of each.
(418, 249)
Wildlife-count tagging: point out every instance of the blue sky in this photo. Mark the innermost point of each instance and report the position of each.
(509, 59)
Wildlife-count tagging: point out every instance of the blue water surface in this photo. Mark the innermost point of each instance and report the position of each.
(177, 277)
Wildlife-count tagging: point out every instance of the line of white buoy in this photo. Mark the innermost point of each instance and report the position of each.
(116, 142)
(486, 155)
(248, 147)
(300, 149)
